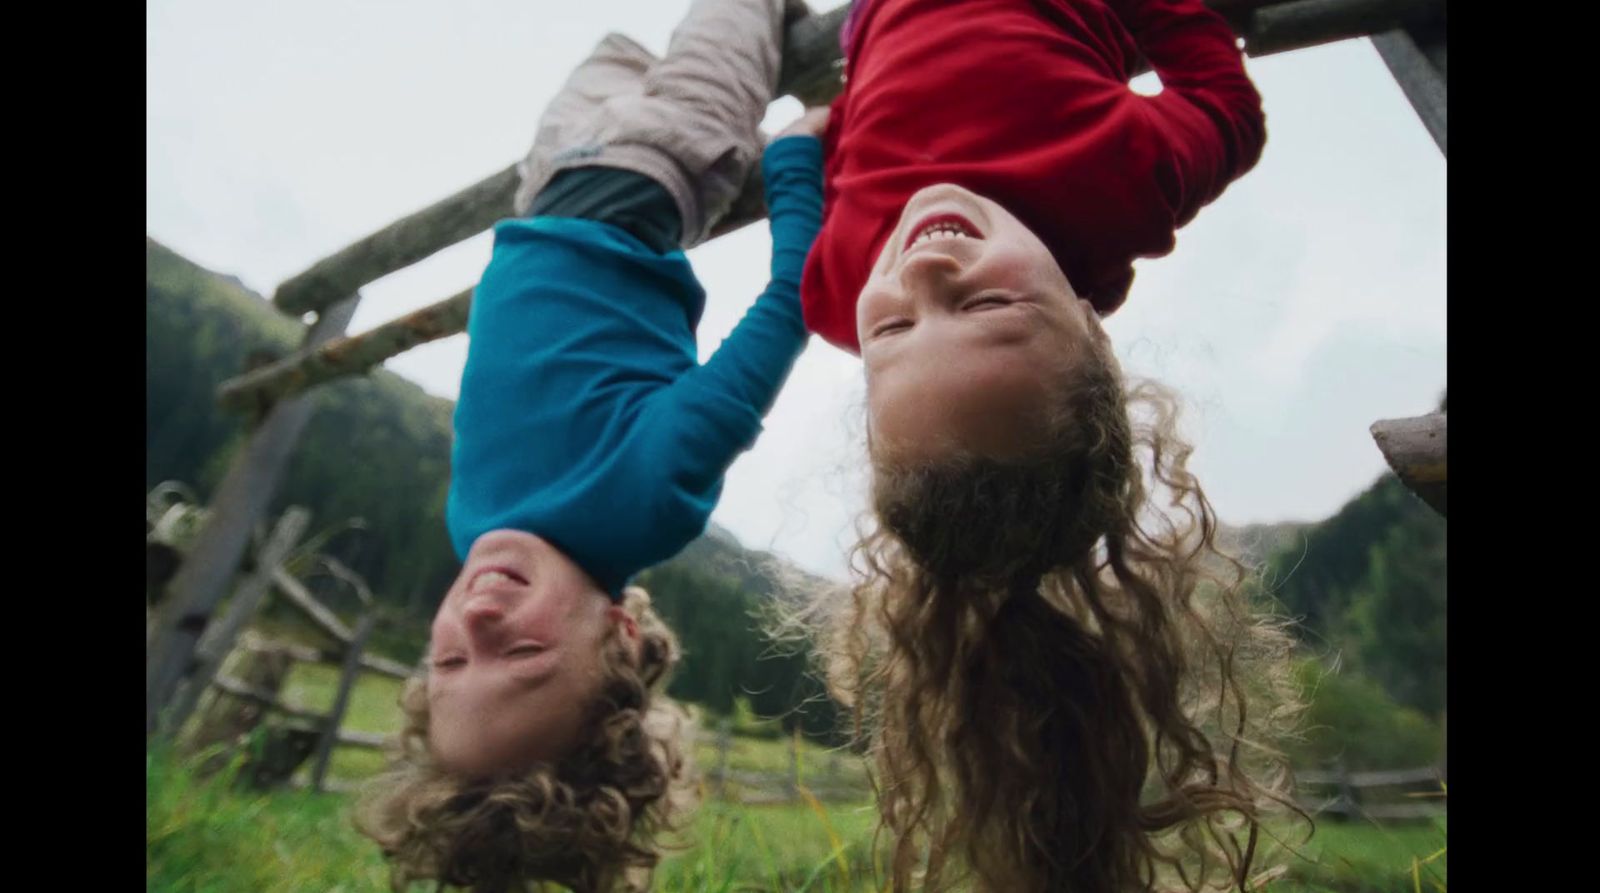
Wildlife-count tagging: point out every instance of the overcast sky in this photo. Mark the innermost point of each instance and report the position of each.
(1306, 303)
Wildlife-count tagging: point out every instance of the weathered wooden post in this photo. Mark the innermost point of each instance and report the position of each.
(1417, 62)
(230, 717)
(238, 503)
(1348, 798)
(1418, 451)
(1444, 747)
(341, 701)
(219, 639)
(794, 764)
(724, 742)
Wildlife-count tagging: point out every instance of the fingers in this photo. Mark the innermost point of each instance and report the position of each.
(812, 123)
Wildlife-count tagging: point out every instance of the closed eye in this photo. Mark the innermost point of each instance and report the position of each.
(449, 663)
(987, 302)
(889, 327)
(526, 650)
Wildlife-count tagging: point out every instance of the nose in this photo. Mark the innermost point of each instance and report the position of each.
(482, 614)
(930, 276)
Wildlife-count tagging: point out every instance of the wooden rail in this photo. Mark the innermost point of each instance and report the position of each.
(347, 738)
(1418, 451)
(1347, 801)
(309, 655)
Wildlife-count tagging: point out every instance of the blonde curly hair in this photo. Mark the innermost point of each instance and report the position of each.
(592, 822)
(1050, 664)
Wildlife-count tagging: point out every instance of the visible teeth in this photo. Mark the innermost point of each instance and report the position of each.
(489, 578)
(942, 230)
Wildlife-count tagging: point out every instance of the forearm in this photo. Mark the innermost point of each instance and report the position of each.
(751, 365)
(1208, 110)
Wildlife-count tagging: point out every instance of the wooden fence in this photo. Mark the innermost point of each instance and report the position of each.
(829, 782)
(1395, 795)
(1414, 793)
(304, 734)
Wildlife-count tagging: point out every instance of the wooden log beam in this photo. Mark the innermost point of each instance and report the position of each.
(1296, 25)
(313, 720)
(315, 611)
(811, 49)
(346, 356)
(244, 691)
(306, 654)
(400, 244)
(1417, 62)
(1241, 7)
(1377, 778)
(1417, 451)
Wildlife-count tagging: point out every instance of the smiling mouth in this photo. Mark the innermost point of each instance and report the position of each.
(490, 576)
(941, 226)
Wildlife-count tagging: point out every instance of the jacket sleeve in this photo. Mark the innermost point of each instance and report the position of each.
(713, 413)
(1208, 112)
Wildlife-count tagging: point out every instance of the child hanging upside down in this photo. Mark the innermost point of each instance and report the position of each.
(590, 445)
(1029, 648)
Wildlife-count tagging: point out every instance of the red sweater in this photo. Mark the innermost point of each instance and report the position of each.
(1027, 102)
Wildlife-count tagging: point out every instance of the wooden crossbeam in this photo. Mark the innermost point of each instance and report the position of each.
(810, 50)
(1416, 58)
(307, 654)
(346, 356)
(310, 720)
(1373, 779)
(1417, 451)
(315, 611)
(1298, 24)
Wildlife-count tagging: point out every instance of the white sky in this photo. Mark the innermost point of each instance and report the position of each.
(1306, 303)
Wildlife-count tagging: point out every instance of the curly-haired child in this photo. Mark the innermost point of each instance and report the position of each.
(590, 445)
(1048, 658)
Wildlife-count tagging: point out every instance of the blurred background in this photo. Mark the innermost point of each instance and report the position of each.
(1305, 304)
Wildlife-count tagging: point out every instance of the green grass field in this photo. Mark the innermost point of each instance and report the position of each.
(209, 836)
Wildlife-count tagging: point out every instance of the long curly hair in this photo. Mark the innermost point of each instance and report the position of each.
(1050, 664)
(591, 822)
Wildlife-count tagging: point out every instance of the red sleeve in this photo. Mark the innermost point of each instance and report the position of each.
(1208, 110)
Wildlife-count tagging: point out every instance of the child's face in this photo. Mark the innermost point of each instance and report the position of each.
(515, 656)
(968, 327)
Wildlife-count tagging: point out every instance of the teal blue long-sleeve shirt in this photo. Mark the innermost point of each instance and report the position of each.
(584, 416)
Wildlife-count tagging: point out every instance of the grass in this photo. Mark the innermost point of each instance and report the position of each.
(374, 707)
(209, 836)
(1361, 857)
(205, 835)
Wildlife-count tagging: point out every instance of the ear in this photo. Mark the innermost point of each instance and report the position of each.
(629, 625)
(1091, 319)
